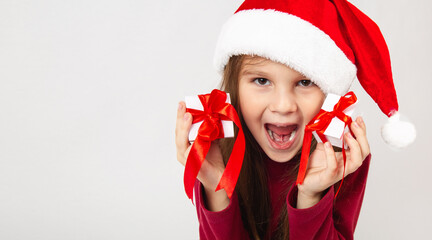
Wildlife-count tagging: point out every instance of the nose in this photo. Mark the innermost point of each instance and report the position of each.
(283, 103)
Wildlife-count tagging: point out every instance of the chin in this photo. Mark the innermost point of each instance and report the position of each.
(281, 157)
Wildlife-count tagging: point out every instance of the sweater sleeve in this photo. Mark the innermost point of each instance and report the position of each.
(225, 224)
(330, 218)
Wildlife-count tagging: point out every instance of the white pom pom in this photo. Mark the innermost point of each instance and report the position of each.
(397, 133)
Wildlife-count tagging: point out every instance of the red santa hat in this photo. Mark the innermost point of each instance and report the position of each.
(329, 41)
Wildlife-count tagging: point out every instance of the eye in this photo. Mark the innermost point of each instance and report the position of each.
(262, 81)
(305, 83)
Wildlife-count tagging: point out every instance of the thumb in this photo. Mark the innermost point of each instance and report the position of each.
(320, 146)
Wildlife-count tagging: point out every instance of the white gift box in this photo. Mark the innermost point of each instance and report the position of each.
(194, 102)
(335, 130)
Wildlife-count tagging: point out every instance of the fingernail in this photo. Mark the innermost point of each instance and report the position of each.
(348, 135)
(356, 124)
(327, 145)
(186, 116)
(180, 106)
(360, 119)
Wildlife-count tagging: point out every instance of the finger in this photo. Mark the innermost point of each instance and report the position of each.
(319, 150)
(339, 158)
(183, 125)
(361, 122)
(181, 110)
(183, 158)
(359, 130)
(332, 163)
(185, 155)
(355, 155)
(182, 137)
(320, 146)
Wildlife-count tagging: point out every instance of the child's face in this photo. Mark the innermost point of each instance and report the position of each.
(276, 103)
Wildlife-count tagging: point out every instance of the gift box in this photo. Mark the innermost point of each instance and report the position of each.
(330, 124)
(213, 118)
(193, 102)
(336, 128)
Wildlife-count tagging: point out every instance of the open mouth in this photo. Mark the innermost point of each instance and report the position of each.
(281, 136)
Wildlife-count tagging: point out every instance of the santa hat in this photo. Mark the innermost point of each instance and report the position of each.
(329, 41)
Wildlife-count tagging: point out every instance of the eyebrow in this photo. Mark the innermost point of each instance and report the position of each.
(265, 74)
(253, 72)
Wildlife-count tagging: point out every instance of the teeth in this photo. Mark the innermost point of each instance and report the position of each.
(270, 134)
(292, 135)
(280, 139)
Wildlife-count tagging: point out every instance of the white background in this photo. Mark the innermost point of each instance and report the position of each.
(88, 97)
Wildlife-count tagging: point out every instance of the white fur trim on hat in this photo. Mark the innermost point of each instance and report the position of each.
(290, 40)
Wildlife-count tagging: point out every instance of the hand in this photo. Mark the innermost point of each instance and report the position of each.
(212, 168)
(326, 167)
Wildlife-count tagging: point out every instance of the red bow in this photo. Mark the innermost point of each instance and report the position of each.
(215, 110)
(319, 124)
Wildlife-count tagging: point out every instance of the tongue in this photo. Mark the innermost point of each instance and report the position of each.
(280, 138)
(281, 131)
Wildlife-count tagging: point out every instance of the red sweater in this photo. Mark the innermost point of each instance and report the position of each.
(328, 219)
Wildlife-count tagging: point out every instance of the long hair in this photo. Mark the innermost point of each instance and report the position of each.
(252, 187)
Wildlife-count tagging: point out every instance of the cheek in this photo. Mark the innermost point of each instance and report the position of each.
(313, 105)
(245, 103)
(250, 106)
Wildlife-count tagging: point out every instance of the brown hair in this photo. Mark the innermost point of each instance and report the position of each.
(252, 188)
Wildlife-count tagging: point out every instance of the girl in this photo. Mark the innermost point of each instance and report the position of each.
(279, 59)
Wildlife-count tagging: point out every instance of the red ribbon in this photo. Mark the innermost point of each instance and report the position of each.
(215, 110)
(319, 124)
